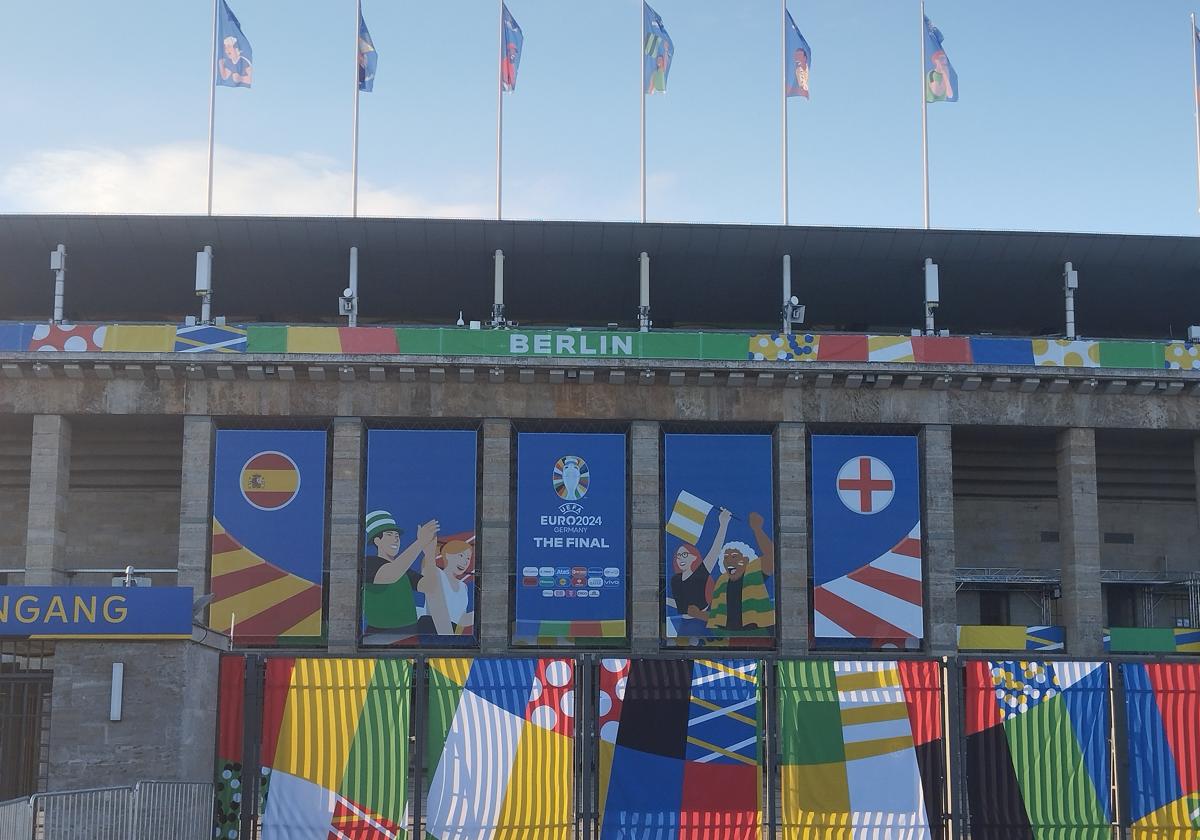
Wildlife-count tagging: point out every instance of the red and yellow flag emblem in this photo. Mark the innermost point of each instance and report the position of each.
(270, 480)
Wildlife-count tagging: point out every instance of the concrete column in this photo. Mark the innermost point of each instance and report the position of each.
(495, 567)
(1079, 535)
(791, 541)
(195, 505)
(345, 532)
(49, 477)
(645, 554)
(941, 610)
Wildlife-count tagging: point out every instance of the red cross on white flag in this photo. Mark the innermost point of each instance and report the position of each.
(865, 484)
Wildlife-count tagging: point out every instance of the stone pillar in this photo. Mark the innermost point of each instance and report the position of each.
(495, 568)
(49, 477)
(645, 554)
(345, 532)
(195, 506)
(941, 607)
(1079, 534)
(791, 541)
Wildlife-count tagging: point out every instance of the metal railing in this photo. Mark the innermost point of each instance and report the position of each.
(16, 819)
(146, 811)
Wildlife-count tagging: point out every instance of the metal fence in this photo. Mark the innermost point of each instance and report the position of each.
(16, 819)
(145, 811)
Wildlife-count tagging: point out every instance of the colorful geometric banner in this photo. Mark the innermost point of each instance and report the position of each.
(866, 512)
(1162, 707)
(1038, 750)
(335, 749)
(720, 553)
(418, 571)
(861, 749)
(570, 558)
(723, 346)
(1011, 637)
(228, 784)
(679, 750)
(268, 545)
(209, 338)
(501, 749)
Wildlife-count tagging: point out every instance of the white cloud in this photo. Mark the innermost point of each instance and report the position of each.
(172, 179)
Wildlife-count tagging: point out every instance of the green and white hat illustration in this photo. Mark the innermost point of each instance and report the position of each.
(379, 521)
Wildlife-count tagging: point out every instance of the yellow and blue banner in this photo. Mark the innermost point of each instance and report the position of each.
(268, 543)
(570, 558)
(59, 612)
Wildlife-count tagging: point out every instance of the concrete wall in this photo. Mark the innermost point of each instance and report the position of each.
(1006, 532)
(16, 443)
(168, 725)
(123, 501)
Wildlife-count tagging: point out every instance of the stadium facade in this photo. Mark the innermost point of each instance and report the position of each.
(770, 568)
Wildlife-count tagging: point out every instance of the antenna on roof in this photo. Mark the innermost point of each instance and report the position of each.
(58, 264)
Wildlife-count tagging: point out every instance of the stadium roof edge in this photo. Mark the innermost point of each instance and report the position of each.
(139, 267)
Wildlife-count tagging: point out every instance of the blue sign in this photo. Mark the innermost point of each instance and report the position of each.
(866, 538)
(718, 515)
(50, 612)
(570, 559)
(418, 568)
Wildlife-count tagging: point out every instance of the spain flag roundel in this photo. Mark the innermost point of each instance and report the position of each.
(270, 480)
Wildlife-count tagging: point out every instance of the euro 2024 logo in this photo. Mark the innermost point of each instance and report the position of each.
(571, 482)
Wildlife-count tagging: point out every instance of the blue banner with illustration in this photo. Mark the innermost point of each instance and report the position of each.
(51, 612)
(719, 511)
(866, 539)
(571, 538)
(418, 568)
(268, 541)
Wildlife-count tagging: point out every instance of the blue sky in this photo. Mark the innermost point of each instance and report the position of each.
(1073, 115)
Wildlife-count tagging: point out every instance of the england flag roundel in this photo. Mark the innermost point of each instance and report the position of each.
(866, 485)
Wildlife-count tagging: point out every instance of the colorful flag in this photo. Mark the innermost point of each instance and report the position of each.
(1162, 705)
(367, 57)
(334, 747)
(658, 50)
(679, 752)
(1037, 750)
(941, 82)
(512, 40)
(500, 737)
(687, 517)
(861, 749)
(797, 60)
(234, 58)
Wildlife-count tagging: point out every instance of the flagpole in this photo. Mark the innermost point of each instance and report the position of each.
(500, 113)
(642, 97)
(354, 133)
(783, 92)
(1196, 108)
(212, 103)
(924, 121)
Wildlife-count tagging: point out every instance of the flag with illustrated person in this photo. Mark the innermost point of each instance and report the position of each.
(797, 60)
(234, 60)
(368, 58)
(941, 82)
(510, 50)
(657, 52)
